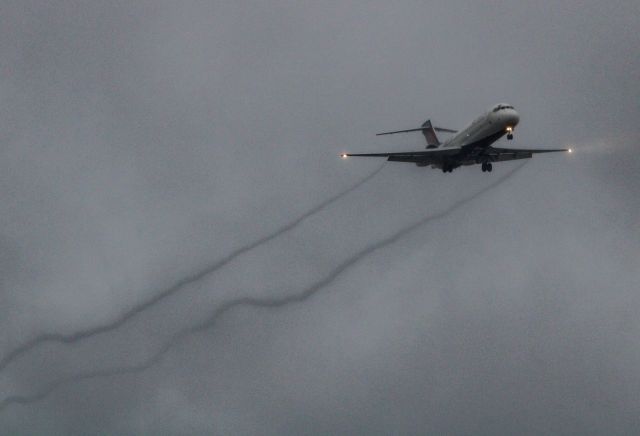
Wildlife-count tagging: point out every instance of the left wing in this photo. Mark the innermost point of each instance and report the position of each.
(502, 154)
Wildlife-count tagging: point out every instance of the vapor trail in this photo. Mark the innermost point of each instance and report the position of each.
(270, 302)
(176, 287)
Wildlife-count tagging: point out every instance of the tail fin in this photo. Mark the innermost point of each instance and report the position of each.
(430, 135)
(427, 130)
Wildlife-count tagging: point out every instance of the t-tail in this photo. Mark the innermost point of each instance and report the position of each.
(430, 135)
(427, 130)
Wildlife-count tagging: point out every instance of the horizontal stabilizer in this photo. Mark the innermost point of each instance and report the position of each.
(400, 131)
(427, 130)
(442, 129)
(419, 129)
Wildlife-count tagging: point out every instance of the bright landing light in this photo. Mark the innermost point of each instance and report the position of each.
(343, 155)
(570, 150)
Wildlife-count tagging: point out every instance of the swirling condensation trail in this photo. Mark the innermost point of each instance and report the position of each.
(272, 302)
(176, 287)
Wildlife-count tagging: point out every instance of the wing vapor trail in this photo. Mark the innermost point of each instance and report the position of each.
(270, 302)
(176, 287)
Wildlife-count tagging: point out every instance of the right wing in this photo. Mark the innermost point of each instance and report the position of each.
(425, 157)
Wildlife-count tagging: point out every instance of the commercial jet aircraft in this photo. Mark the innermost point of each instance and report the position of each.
(469, 146)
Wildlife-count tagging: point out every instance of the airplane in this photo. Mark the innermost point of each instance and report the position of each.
(469, 146)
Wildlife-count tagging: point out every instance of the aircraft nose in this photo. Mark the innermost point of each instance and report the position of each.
(512, 117)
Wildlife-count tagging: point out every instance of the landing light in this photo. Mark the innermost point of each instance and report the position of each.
(509, 129)
(570, 150)
(344, 155)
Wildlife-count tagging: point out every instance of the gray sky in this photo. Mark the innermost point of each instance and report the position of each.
(182, 252)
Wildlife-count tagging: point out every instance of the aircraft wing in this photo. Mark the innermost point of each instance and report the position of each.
(502, 154)
(462, 155)
(425, 157)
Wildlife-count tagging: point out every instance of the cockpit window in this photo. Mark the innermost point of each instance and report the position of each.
(501, 106)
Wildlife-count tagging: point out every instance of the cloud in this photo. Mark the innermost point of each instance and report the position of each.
(142, 140)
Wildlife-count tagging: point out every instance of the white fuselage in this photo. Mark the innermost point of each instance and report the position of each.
(490, 126)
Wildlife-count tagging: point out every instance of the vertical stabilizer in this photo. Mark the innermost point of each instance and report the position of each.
(430, 135)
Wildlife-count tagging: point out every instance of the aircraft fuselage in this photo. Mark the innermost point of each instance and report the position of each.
(489, 127)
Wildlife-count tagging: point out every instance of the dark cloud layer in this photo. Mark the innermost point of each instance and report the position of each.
(143, 141)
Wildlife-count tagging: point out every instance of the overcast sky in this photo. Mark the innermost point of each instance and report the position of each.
(182, 252)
